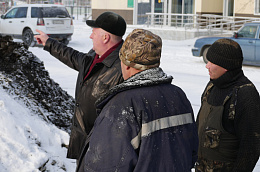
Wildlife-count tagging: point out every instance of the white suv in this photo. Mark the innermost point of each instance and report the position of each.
(22, 21)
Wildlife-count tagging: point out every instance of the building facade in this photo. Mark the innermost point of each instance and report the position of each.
(233, 8)
(135, 11)
(121, 7)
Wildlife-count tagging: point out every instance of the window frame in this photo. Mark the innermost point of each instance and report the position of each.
(257, 7)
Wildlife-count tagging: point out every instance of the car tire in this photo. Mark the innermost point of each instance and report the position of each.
(65, 41)
(28, 38)
(204, 54)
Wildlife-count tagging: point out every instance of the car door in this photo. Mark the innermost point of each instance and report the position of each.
(257, 50)
(20, 20)
(7, 21)
(13, 22)
(246, 38)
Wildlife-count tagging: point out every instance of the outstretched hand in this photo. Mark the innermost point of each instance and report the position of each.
(41, 38)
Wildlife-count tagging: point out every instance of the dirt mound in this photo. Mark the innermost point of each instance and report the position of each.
(24, 76)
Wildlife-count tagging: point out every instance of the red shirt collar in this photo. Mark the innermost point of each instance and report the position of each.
(99, 60)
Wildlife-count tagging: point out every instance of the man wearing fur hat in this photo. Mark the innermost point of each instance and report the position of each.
(99, 70)
(229, 117)
(145, 123)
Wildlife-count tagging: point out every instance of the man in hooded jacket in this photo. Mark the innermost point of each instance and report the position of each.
(145, 123)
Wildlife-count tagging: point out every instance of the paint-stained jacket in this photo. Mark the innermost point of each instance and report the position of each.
(102, 77)
(144, 124)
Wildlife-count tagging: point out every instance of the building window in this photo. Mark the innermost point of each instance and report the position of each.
(188, 7)
(177, 6)
(228, 7)
(144, 6)
(182, 6)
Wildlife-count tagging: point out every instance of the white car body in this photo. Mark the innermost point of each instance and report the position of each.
(52, 19)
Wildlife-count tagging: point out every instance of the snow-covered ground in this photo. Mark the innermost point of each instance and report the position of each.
(21, 132)
(27, 142)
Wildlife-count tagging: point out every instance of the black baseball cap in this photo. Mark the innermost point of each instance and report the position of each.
(110, 22)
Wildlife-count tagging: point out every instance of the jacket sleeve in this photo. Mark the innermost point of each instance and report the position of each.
(68, 55)
(247, 128)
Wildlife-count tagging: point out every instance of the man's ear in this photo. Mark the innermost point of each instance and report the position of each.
(106, 38)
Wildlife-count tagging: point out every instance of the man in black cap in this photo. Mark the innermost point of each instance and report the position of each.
(229, 118)
(99, 70)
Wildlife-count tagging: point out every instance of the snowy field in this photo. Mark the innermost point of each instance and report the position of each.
(20, 154)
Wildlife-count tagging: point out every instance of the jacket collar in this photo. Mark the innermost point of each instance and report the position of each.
(112, 57)
(149, 77)
(228, 78)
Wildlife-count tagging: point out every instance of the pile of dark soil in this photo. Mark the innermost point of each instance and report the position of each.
(24, 76)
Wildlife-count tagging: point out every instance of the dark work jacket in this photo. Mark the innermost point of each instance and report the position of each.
(216, 146)
(244, 124)
(144, 124)
(102, 77)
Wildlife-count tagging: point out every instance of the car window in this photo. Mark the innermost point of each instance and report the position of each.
(247, 32)
(49, 12)
(34, 12)
(21, 12)
(11, 13)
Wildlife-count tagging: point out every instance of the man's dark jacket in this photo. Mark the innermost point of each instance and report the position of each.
(145, 124)
(102, 77)
(246, 123)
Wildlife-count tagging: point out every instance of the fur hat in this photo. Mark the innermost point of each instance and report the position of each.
(110, 22)
(141, 50)
(226, 53)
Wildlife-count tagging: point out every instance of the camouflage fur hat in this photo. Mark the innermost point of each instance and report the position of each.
(141, 50)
